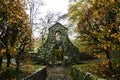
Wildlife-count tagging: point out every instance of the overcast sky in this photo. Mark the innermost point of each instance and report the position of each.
(55, 6)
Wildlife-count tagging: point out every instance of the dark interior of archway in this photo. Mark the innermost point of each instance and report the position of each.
(57, 54)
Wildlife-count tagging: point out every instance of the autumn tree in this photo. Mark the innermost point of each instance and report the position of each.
(34, 8)
(14, 26)
(99, 26)
(23, 44)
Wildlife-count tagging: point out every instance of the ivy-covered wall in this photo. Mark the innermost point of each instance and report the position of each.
(69, 51)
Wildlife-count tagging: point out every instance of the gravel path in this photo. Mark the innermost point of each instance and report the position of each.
(58, 73)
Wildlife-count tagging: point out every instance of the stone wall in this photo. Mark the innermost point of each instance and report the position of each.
(81, 75)
(69, 51)
(39, 74)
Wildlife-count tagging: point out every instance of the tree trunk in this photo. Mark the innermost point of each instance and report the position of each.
(1, 60)
(109, 59)
(18, 62)
(18, 58)
(8, 56)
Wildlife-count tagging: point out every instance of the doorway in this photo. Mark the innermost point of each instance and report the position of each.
(57, 54)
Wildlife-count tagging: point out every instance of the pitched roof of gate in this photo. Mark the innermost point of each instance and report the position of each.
(58, 24)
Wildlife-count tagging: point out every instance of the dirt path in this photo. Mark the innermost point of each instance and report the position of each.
(58, 73)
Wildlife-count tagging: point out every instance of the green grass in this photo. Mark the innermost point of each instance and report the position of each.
(12, 74)
(99, 70)
(87, 67)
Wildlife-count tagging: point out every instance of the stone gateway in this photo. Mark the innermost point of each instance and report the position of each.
(58, 48)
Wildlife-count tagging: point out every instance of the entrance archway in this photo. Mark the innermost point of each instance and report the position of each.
(57, 54)
(57, 38)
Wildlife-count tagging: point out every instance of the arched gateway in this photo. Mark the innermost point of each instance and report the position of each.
(58, 47)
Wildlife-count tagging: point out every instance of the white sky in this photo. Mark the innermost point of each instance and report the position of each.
(55, 6)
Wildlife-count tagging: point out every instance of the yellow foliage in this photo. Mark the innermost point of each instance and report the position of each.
(100, 55)
(14, 79)
(114, 35)
(113, 48)
(13, 50)
(104, 47)
(119, 39)
(3, 50)
(94, 32)
(107, 66)
(93, 1)
(109, 30)
(112, 1)
(117, 65)
(105, 62)
(113, 75)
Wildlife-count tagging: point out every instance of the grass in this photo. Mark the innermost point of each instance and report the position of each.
(12, 74)
(100, 70)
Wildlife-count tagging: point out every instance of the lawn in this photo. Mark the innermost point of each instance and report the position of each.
(100, 70)
(12, 74)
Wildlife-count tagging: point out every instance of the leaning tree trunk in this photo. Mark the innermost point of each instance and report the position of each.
(109, 59)
(1, 60)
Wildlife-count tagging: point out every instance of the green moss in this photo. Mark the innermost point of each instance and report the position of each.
(86, 67)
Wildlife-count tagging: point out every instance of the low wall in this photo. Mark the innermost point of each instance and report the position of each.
(81, 75)
(39, 74)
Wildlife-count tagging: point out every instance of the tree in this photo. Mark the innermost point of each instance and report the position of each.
(98, 25)
(14, 22)
(23, 44)
(47, 21)
(34, 6)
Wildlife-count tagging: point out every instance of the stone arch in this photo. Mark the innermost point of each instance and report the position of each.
(57, 54)
(58, 35)
(69, 51)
